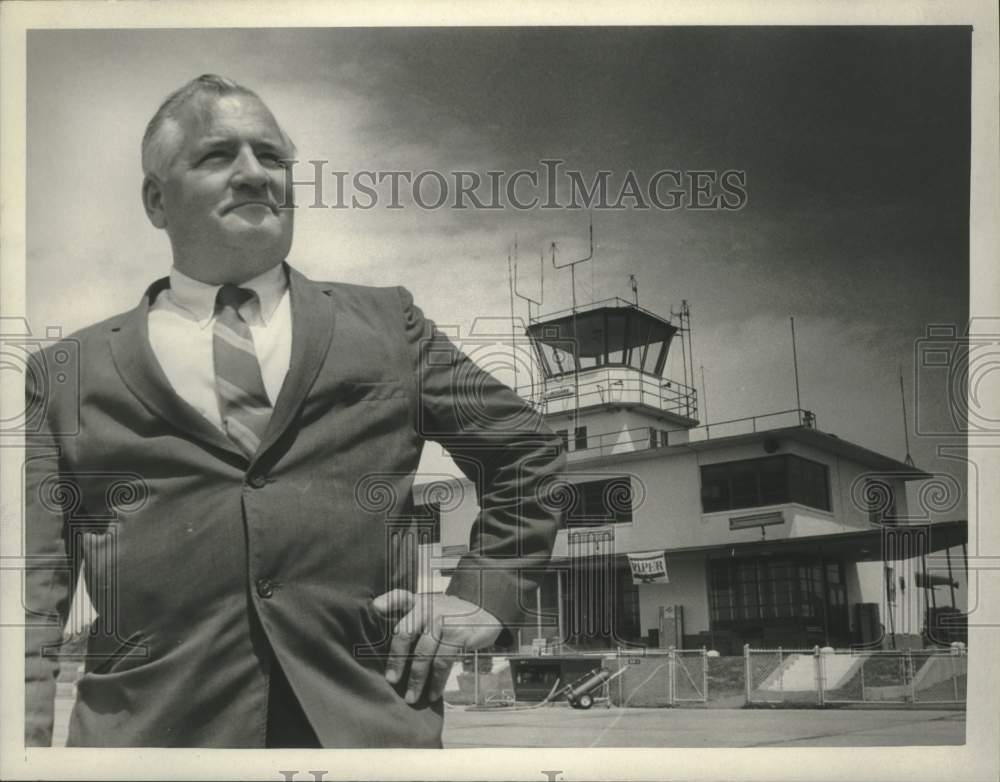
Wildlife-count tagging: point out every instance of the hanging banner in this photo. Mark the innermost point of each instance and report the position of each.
(649, 567)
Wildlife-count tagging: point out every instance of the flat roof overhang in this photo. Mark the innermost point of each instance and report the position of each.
(856, 545)
(822, 440)
(825, 441)
(592, 335)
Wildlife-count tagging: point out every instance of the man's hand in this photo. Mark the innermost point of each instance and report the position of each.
(434, 632)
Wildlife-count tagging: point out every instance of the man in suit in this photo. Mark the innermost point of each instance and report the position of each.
(234, 471)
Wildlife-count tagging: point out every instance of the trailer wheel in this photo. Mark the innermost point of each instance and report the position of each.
(585, 701)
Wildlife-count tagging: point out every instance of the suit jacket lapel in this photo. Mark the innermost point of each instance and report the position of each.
(312, 330)
(141, 372)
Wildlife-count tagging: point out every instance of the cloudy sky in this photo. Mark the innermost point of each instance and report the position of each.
(855, 144)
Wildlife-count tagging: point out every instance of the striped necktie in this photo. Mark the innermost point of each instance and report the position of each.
(243, 401)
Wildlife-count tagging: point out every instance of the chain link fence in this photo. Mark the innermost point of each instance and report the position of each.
(682, 677)
(830, 677)
(647, 678)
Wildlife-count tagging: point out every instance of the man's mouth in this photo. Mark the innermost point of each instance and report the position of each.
(266, 204)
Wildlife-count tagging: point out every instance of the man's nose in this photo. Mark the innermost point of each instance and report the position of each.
(248, 172)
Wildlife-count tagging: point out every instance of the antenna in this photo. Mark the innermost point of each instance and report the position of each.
(513, 328)
(704, 398)
(634, 285)
(525, 297)
(795, 365)
(686, 313)
(906, 432)
(541, 291)
(687, 353)
(576, 345)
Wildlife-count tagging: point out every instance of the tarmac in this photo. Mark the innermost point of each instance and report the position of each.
(560, 726)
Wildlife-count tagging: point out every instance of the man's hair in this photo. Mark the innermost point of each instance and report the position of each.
(163, 133)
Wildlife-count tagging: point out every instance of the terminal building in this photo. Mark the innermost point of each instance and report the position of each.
(765, 530)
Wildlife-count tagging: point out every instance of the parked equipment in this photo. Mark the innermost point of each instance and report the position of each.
(579, 693)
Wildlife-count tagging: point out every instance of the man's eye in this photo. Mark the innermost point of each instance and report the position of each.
(217, 154)
(269, 159)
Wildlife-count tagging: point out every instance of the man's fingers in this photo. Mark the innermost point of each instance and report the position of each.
(447, 655)
(420, 668)
(404, 635)
(430, 637)
(394, 603)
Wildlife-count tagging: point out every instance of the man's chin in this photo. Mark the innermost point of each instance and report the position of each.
(252, 229)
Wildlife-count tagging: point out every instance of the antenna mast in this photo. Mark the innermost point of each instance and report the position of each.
(906, 432)
(704, 393)
(513, 327)
(537, 303)
(687, 353)
(576, 344)
(795, 365)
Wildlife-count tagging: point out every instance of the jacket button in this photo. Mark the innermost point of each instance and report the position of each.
(264, 587)
(257, 480)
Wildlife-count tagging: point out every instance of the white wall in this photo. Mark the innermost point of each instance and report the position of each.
(687, 588)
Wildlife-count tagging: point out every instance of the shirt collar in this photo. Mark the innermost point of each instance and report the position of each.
(198, 298)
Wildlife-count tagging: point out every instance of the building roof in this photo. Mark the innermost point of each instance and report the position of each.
(824, 441)
(602, 328)
(861, 545)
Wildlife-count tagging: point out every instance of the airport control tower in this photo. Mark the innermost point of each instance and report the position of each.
(603, 375)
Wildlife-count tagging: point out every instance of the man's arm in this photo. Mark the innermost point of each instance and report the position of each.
(503, 446)
(50, 576)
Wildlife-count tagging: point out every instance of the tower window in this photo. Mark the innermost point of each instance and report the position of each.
(601, 502)
(752, 483)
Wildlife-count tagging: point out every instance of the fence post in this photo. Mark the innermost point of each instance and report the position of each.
(954, 676)
(913, 683)
(818, 660)
(672, 676)
(746, 668)
(704, 675)
(475, 680)
(621, 696)
(781, 675)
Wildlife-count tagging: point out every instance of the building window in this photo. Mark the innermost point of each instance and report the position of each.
(601, 502)
(771, 480)
(654, 438)
(762, 589)
(580, 438)
(427, 519)
(564, 436)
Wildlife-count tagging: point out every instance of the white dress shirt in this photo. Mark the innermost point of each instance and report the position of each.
(181, 333)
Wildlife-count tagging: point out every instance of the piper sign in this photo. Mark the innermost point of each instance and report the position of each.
(649, 567)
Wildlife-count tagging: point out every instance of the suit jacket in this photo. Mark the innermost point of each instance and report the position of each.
(197, 560)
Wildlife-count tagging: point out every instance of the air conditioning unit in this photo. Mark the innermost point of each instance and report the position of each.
(756, 520)
(558, 393)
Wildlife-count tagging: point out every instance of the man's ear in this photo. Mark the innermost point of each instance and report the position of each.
(152, 201)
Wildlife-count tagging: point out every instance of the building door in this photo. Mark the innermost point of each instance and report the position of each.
(838, 622)
(601, 605)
